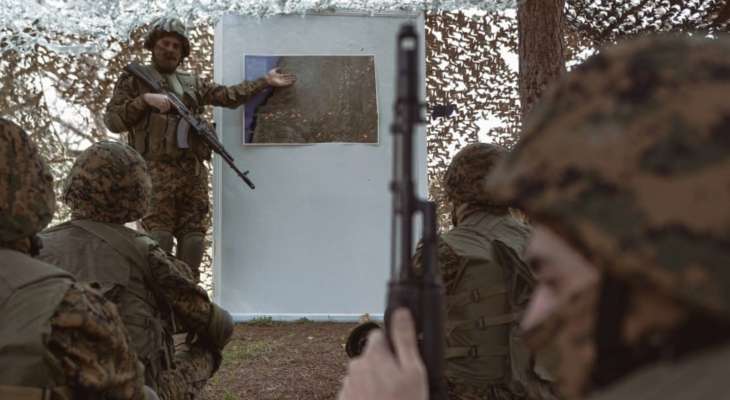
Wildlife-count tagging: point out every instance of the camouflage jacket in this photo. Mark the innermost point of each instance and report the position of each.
(156, 135)
(151, 301)
(75, 343)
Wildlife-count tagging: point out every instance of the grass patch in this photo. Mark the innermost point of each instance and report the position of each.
(261, 321)
(244, 350)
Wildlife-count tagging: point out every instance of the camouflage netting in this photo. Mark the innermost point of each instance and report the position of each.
(88, 26)
(605, 21)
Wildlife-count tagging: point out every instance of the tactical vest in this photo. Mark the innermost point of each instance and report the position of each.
(155, 136)
(483, 307)
(116, 259)
(30, 292)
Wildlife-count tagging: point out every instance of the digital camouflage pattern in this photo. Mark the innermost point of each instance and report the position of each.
(165, 26)
(108, 183)
(176, 286)
(186, 208)
(27, 201)
(180, 199)
(94, 260)
(145, 307)
(86, 340)
(193, 367)
(628, 159)
(90, 340)
(463, 180)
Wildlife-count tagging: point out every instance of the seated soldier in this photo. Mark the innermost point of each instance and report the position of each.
(624, 168)
(487, 285)
(156, 294)
(58, 338)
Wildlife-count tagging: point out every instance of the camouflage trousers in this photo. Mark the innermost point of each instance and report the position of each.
(180, 197)
(192, 369)
(491, 392)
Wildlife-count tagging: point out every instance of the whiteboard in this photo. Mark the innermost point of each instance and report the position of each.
(313, 240)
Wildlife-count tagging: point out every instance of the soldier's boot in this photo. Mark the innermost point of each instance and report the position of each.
(164, 239)
(190, 250)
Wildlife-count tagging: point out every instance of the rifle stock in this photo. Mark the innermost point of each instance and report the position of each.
(199, 126)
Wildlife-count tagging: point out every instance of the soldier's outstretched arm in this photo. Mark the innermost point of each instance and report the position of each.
(232, 96)
(127, 105)
(89, 340)
(190, 302)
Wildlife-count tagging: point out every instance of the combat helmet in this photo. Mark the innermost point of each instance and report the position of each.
(108, 182)
(463, 180)
(27, 201)
(628, 159)
(165, 26)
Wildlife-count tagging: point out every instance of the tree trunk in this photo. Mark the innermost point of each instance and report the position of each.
(540, 24)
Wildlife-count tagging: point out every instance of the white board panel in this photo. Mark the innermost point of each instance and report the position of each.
(313, 240)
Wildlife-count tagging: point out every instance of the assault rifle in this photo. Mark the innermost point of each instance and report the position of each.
(421, 290)
(199, 126)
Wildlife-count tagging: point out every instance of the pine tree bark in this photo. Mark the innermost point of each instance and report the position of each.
(541, 47)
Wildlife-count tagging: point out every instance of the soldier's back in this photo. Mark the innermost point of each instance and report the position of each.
(30, 292)
(487, 284)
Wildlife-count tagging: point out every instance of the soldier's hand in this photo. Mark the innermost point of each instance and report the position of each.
(380, 374)
(277, 79)
(158, 101)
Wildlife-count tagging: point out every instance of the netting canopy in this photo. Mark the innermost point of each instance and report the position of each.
(86, 26)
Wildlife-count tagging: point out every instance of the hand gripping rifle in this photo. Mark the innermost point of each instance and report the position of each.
(199, 126)
(421, 290)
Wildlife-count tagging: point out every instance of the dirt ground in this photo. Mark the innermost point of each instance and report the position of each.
(268, 360)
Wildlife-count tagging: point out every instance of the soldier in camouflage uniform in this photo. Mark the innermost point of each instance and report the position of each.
(625, 166)
(487, 286)
(155, 293)
(58, 338)
(175, 158)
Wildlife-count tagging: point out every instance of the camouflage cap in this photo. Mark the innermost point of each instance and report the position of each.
(463, 178)
(108, 183)
(27, 201)
(165, 26)
(628, 158)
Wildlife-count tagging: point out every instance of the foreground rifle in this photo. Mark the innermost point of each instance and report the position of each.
(418, 290)
(199, 126)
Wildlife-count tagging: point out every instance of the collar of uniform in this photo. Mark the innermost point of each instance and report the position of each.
(466, 212)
